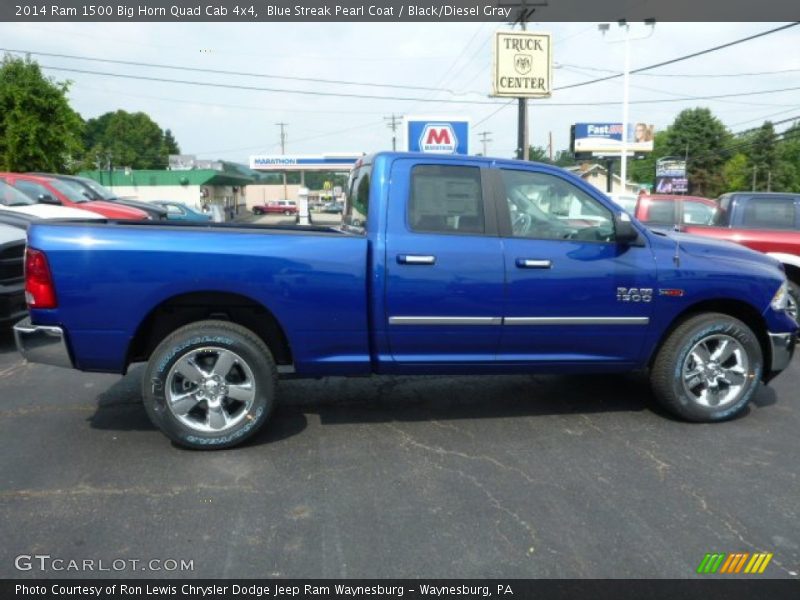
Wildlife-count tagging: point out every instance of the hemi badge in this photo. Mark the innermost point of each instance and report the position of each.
(672, 293)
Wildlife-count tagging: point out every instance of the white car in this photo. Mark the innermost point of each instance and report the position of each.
(13, 200)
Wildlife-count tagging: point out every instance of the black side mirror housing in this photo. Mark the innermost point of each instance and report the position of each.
(625, 233)
(47, 199)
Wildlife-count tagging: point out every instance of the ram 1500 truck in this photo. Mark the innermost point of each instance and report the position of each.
(443, 264)
(764, 221)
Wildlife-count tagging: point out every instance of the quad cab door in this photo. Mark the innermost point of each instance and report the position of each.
(573, 294)
(444, 264)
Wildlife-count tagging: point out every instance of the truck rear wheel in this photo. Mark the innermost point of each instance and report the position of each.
(708, 368)
(210, 385)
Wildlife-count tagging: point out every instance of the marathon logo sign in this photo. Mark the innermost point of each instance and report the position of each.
(437, 135)
(439, 139)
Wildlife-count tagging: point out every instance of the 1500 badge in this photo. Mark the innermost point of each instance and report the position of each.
(634, 294)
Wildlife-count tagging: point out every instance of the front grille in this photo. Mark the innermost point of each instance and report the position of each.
(12, 262)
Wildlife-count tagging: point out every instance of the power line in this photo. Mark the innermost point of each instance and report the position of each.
(682, 58)
(702, 75)
(131, 63)
(400, 98)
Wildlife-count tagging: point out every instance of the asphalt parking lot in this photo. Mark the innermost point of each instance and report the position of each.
(514, 476)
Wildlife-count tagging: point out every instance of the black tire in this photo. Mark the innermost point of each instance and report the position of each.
(674, 362)
(794, 300)
(287, 212)
(253, 373)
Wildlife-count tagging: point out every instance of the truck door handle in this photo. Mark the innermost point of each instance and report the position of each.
(533, 263)
(416, 259)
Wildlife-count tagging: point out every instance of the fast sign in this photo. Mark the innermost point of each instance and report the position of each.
(606, 138)
(437, 135)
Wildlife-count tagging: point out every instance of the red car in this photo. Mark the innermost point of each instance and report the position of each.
(671, 210)
(55, 191)
(286, 207)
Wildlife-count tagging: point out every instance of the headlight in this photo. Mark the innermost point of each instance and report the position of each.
(780, 301)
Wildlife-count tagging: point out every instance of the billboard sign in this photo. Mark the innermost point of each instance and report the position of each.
(671, 176)
(436, 135)
(606, 138)
(523, 65)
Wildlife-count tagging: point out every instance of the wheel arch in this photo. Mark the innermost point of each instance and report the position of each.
(737, 309)
(182, 309)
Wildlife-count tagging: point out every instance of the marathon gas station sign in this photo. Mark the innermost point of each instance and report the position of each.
(436, 135)
(309, 162)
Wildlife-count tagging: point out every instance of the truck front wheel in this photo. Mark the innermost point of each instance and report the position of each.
(708, 368)
(794, 300)
(210, 384)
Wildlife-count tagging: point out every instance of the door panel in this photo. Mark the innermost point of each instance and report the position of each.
(444, 263)
(572, 294)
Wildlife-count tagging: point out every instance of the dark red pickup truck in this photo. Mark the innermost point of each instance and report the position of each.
(764, 221)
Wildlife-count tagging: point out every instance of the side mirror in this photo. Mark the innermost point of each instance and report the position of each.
(624, 231)
(47, 199)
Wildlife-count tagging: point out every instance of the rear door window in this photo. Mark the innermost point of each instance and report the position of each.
(769, 213)
(446, 199)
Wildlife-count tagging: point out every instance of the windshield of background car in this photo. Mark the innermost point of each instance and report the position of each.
(10, 196)
(357, 200)
(72, 191)
(98, 189)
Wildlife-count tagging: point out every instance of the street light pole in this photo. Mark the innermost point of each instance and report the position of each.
(626, 74)
(623, 171)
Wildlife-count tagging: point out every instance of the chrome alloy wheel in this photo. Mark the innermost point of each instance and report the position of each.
(791, 307)
(210, 389)
(715, 371)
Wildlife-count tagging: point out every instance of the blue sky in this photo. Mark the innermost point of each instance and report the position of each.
(454, 58)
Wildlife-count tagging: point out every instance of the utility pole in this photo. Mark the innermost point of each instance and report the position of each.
(550, 145)
(283, 152)
(485, 139)
(769, 180)
(522, 108)
(526, 9)
(755, 168)
(393, 122)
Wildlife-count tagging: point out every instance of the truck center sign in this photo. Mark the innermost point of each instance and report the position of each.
(523, 65)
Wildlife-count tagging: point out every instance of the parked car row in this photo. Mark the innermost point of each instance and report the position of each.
(30, 196)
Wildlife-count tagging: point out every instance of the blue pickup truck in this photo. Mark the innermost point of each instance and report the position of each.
(458, 265)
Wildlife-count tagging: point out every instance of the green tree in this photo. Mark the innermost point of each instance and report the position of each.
(736, 173)
(538, 154)
(127, 139)
(763, 154)
(170, 144)
(696, 132)
(787, 169)
(39, 131)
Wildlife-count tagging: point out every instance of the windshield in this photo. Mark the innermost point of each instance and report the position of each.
(10, 196)
(101, 191)
(72, 191)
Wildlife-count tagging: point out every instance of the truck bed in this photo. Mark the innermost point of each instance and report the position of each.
(312, 280)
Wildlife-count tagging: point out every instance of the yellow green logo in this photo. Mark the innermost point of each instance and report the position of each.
(736, 562)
